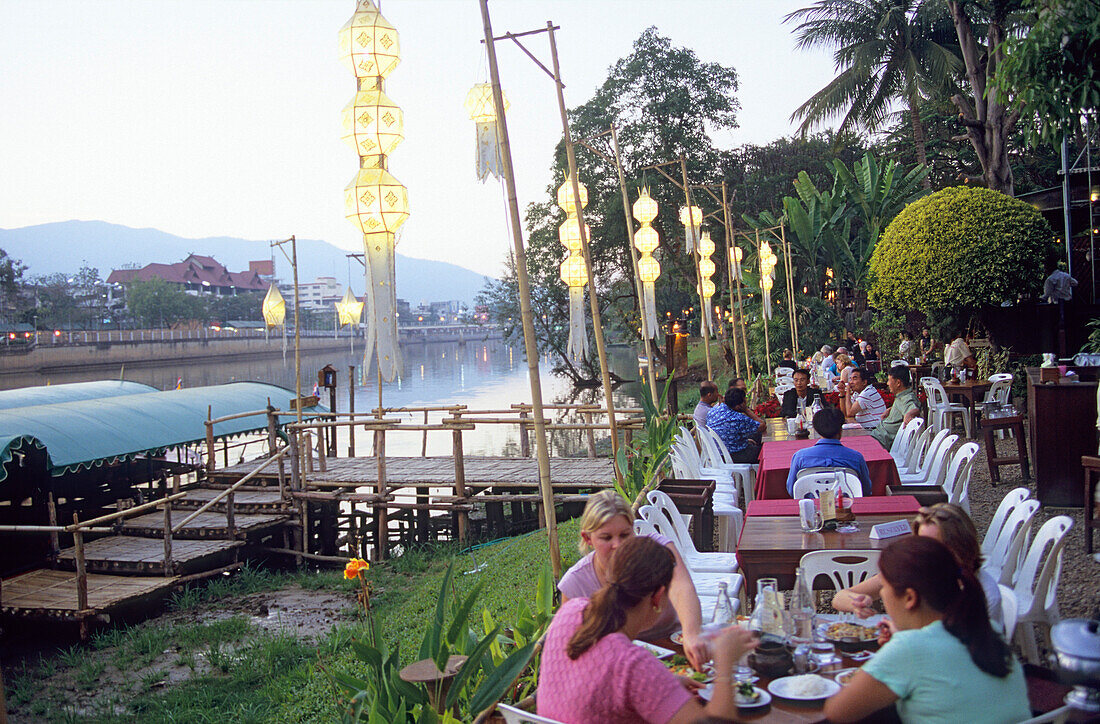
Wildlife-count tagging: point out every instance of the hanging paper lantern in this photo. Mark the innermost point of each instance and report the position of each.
(706, 289)
(273, 307)
(375, 201)
(482, 109)
(349, 309)
(646, 241)
(565, 196)
(767, 276)
(692, 219)
(735, 257)
(569, 234)
(575, 276)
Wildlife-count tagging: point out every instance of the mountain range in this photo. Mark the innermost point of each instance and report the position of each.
(66, 246)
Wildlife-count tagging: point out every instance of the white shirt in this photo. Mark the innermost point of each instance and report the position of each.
(872, 408)
(956, 352)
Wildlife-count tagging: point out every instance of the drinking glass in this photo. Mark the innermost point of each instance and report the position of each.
(813, 524)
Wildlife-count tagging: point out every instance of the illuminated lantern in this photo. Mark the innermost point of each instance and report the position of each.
(375, 201)
(349, 309)
(573, 271)
(273, 307)
(479, 104)
(767, 276)
(692, 219)
(735, 256)
(646, 241)
(706, 287)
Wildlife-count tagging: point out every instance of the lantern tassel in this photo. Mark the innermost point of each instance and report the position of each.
(489, 159)
(578, 340)
(649, 303)
(704, 318)
(689, 239)
(767, 303)
(368, 312)
(380, 261)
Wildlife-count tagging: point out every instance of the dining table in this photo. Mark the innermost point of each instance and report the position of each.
(772, 546)
(972, 392)
(775, 464)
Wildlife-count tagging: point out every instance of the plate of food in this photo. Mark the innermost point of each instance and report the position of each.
(659, 651)
(679, 665)
(850, 636)
(677, 637)
(804, 687)
(844, 676)
(745, 695)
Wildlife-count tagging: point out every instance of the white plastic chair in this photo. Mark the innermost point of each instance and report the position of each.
(783, 372)
(899, 450)
(918, 449)
(1009, 502)
(1055, 716)
(665, 517)
(1009, 610)
(1036, 585)
(942, 408)
(1003, 561)
(814, 483)
(841, 574)
(956, 481)
(715, 455)
(899, 363)
(933, 466)
(512, 715)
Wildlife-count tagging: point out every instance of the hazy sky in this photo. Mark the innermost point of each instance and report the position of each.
(222, 117)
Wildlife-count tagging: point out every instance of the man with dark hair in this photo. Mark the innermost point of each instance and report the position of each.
(738, 383)
(736, 425)
(904, 409)
(958, 354)
(708, 395)
(829, 452)
(802, 396)
(788, 360)
(860, 400)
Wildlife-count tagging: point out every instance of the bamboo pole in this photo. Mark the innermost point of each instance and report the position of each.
(460, 484)
(790, 289)
(695, 263)
(351, 408)
(81, 566)
(530, 347)
(589, 434)
(593, 300)
(124, 513)
(167, 534)
(647, 341)
(381, 523)
(210, 459)
(51, 517)
(767, 341)
(735, 280)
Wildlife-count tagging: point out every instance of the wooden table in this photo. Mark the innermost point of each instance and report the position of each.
(772, 546)
(775, 464)
(973, 391)
(1062, 425)
(777, 431)
(901, 505)
(990, 426)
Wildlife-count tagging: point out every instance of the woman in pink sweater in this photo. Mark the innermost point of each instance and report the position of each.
(590, 670)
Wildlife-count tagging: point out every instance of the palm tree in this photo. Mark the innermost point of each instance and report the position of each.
(887, 51)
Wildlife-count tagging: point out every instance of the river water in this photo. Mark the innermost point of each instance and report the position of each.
(480, 375)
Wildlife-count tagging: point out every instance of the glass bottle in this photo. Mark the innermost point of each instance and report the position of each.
(803, 610)
(724, 614)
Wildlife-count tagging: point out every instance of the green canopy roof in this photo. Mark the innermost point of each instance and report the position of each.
(91, 432)
(52, 394)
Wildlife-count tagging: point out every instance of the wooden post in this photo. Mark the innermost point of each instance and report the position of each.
(530, 344)
(593, 300)
(380, 520)
(647, 333)
(322, 463)
(273, 443)
(210, 461)
(351, 407)
(230, 516)
(81, 567)
(734, 279)
(167, 534)
(225, 452)
(695, 263)
(590, 434)
(460, 481)
(524, 440)
(424, 440)
(295, 465)
(51, 515)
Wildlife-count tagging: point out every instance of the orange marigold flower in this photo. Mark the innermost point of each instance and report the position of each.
(354, 566)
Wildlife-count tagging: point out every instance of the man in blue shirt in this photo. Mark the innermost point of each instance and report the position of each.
(828, 452)
(736, 425)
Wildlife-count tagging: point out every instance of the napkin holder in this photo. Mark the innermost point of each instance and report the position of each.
(889, 530)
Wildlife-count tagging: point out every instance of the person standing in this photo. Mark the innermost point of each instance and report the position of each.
(829, 452)
(708, 395)
(899, 380)
(905, 345)
(927, 344)
(860, 400)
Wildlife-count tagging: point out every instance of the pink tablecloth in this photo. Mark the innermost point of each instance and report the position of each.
(887, 505)
(775, 464)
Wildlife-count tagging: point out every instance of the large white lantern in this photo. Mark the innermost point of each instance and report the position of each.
(573, 271)
(646, 240)
(692, 218)
(373, 124)
(482, 109)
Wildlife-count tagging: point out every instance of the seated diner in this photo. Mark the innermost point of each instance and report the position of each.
(899, 380)
(829, 451)
(801, 397)
(737, 426)
(860, 400)
(590, 670)
(943, 662)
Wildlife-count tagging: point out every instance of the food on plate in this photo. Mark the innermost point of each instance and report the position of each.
(807, 686)
(746, 693)
(680, 666)
(845, 677)
(839, 631)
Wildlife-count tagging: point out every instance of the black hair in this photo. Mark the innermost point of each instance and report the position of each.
(706, 387)
(801, 371)
(828, 422)
(863, 374)
(902, 374)
(734, 397)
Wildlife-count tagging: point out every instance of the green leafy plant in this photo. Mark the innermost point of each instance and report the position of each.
(1092, 344)
(646, 457)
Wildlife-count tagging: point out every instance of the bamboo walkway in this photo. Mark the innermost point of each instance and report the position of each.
(52, 593)
(131, 555)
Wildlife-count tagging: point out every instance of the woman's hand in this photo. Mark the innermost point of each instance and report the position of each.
(695, 649)
(731, 644)
(691, 684)
(886, 629)
(861, 605)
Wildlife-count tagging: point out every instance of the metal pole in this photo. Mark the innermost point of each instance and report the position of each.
(646, 331)
(695, 262)
(1065, 205)
(593, 301)
(529, 344)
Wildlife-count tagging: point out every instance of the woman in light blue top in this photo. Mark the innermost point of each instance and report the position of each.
(944, 663)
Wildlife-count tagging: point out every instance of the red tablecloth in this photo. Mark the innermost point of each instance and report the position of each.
(775, 464)
(886, 505)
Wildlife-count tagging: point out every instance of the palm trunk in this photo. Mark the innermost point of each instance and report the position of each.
(919, 140)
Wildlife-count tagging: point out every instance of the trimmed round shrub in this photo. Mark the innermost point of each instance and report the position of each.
(959, 248)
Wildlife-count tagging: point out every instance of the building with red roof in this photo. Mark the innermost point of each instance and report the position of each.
(199, 274)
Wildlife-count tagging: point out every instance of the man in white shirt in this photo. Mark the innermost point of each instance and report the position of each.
(827, 361)
(861, 400)
(708, 395)
(958, 354)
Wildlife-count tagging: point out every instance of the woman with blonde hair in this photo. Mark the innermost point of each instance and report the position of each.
(591, 672)
(950, 525)
(606, 524)
(844, 367)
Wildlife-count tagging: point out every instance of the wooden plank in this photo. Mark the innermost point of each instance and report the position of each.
(54, 592)
(130, 554)
(205, 525)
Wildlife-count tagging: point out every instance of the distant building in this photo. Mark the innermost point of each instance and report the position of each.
(319, 295)
(198, 275)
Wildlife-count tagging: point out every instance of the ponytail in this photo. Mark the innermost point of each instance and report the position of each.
(929, 568)
(638, 568)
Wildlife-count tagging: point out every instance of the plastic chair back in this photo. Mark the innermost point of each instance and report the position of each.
(956, 481)
(899, 363)
(998, 391)
(843, 568)
(904, 439)
(666, 518)
(937, 450)
(513, 715)
(1011, 544)
(784, 372)
(1036, 585)
(1008, 503)
(1001, 376)
(917, 450)
(1009, 610)
(814, 483)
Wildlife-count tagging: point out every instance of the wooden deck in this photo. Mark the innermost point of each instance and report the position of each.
(53, 593)
(131, 555)
(205, 525)
(480, 471)
(244, 501)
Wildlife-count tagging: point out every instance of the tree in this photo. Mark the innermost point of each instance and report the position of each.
(156, 303)
(986, 115)
(1054, 70)
(243, 307)
(11, 283)
(886, 51)
(958, 250)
